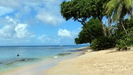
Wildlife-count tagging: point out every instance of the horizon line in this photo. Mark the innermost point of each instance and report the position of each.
(31, 45)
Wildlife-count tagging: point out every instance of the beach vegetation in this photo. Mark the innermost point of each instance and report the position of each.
(125, 41)
(102, 43)
(95, 27)
(117, 32)
(83, 10)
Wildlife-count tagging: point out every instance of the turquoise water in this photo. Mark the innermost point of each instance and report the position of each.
(30, 54)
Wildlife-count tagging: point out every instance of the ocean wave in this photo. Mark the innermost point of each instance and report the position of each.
(55, 56)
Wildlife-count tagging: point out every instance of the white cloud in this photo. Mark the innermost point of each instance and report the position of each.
(6, 32)
(42, 38)
(67, 36)
(49, 18)
(47, 11)
(21, 31)
(63, 36)
(17, 15)
(5, 10)
(11, 3)
(64, 33)
(15, 32)
(50, 13)
(11, 20)
(48, 40)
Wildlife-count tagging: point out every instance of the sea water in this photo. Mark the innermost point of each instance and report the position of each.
(12, 57)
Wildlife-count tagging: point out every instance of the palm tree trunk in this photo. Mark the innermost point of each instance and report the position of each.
(109, 26)
(123, 27)
(104, 29)
(103, 26)
(130, 13)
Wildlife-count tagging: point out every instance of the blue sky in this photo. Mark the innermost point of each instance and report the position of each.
(35, 22)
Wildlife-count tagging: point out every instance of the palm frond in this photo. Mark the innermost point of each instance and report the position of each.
(128, 3)
(110, 5)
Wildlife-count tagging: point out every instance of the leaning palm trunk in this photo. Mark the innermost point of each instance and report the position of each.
(109, 26)
(104, 29)
(123, 27)
(130, 12)
(120, 8)
(103, 26)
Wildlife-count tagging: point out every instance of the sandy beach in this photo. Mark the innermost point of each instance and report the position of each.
(106, 62)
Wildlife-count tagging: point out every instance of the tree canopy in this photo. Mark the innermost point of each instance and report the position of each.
(83, 9)
(90, 14)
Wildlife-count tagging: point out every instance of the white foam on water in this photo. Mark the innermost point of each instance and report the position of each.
(55, 56)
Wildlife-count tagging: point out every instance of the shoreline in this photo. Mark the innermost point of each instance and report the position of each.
(42, 66)
(105, 62)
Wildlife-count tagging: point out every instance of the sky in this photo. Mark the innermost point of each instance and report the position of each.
(35, 22)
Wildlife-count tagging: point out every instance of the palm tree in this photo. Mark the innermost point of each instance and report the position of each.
(117, 9)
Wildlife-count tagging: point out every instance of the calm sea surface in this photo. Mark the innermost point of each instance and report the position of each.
(31, 54)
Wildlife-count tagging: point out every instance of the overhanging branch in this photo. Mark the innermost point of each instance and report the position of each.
(83, 23)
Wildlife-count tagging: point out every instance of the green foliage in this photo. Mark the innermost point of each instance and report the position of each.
(117, 9)
(82, 9)
(128, 23)
(102, 43)
(121, 45)
(92, 30)
(118, 31)
(75, 9)
(83, 37)
(124, 42)
(95, 27)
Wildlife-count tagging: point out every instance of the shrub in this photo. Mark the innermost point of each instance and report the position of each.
(102, 43)
(124, 42)
(122, 45)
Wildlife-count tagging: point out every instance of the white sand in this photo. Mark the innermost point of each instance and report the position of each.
(107, 62)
